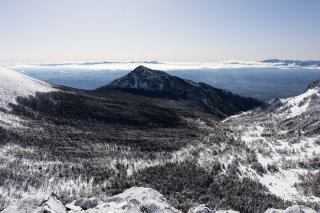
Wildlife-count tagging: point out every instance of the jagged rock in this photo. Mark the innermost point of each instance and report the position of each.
(204, 209)
(201, 209)
(292, 209)
(36, 204)
(86, 203)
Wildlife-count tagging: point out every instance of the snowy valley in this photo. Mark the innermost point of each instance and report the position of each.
(140, 144)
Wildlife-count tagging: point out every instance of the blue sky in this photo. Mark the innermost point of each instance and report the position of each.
(166, 30)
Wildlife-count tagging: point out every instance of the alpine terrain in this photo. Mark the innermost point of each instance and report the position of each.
(152, 142)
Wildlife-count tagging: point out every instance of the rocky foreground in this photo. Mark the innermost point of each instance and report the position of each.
(133, 200)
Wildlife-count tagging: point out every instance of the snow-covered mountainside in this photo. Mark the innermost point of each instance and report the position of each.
(158, 83)
(14, 84)
(285, 135)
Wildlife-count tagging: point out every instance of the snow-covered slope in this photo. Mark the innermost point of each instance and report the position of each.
(286, 139)
(14, 84)
(295, 106)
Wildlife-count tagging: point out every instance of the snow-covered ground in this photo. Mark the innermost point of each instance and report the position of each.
(283, 135)
(295, 106)
(14, 84)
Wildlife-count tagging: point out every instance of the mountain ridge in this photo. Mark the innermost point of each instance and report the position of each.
(307, 63)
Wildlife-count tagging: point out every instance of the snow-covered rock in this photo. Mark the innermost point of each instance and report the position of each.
(204, 209)
(201, 209)
(133, 200)
(293, 209)
(36, 204)
(295, 106)
(14, 84)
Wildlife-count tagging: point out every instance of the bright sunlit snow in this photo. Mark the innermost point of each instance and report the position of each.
(14, 84)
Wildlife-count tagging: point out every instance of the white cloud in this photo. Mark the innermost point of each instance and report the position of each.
(114, 66)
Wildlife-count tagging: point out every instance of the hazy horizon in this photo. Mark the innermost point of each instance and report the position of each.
(38, 31)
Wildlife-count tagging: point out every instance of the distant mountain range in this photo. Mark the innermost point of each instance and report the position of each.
(286, 62)
(308, 63)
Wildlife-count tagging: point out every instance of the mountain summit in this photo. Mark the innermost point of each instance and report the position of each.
(143, 78)
(150, 82)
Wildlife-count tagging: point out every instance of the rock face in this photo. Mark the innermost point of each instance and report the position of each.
(36, 204)
(292, 209)
(143, 80)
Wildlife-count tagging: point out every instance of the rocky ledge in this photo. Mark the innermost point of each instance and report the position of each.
(133, 200)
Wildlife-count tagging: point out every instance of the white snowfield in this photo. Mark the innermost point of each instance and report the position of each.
(14, 84)
(133, 200)
(295, 106)
(282, 136)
